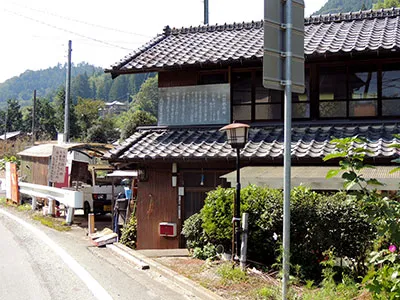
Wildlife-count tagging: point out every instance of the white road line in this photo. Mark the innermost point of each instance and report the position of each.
(98, 291)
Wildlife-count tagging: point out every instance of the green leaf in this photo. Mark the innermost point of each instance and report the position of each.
(349, 176)
(335, 155)
(394, 170)
(369, 166)
(348, 185)
(332, 173)
(395, 274)
(374, 181)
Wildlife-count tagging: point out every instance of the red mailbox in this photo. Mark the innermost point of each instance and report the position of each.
(168, 229)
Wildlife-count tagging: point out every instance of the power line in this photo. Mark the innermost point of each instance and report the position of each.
(80, 21)
(66, 30)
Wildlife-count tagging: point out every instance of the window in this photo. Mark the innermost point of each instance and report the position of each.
(268, 103)
(391, 90)
(332, 92)
(363, 88)
(301, 102)
(242, 96)
(348, 92)
(252, 102)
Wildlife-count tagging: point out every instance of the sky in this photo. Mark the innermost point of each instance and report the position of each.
(35, 34)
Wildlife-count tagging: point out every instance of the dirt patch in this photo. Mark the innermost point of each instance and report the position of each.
(221, 277)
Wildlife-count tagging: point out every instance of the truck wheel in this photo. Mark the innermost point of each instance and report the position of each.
(86, 209)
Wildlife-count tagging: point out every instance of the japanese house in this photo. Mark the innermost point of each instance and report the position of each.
(210, 76)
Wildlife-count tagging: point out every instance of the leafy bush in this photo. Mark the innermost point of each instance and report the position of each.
(193, 232)
(231, 274)
(319, 222)
(129, 233)
(383, 278)
(208, 251)
(12, 159)
(216, 215)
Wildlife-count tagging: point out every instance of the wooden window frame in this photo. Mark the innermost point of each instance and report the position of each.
(378, 66)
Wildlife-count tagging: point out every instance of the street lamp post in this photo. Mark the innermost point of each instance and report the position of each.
(237, 134)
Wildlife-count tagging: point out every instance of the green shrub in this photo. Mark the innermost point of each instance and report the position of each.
(11, 159)
(193, 232)
(216, 215)
(383, 278)
(231, 274)
(318, 222)
(208, 251)
(129, 233)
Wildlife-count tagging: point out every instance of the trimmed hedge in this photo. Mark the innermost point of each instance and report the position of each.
(318, 222)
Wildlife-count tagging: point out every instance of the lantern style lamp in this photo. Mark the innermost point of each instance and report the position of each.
(237, 135)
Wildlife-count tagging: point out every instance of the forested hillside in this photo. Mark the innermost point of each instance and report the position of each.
(87, 81)
(337, 6)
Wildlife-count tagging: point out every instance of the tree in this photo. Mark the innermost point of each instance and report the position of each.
(132, 119)
(80, 87)
(59, 108)
(147, 98)
(45, 123)
(387, 4)
(104, 131)
(87, 113)
(103, 85)
(119, 89)
(14, 115)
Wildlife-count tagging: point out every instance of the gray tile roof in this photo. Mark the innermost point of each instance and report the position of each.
(264, 143)
(209, 45)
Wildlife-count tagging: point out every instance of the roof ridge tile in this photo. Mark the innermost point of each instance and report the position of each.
(351, 16)
(214, 27)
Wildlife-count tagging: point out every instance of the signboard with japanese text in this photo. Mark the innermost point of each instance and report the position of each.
(58, 164)
(194, 105)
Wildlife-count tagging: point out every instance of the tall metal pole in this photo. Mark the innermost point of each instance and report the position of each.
(33, 117)
(287, 150)
(67, 94)
(236, 218)
(205, 12)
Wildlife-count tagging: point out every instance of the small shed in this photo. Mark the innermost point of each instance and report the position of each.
(35, 161)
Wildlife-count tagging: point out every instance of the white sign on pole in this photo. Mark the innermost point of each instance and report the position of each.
(58, 164)
(8, 180)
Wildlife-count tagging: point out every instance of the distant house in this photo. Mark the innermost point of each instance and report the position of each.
(10, 135)
(113, 108)
(210, 76)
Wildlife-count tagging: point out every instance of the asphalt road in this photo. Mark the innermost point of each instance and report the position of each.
(37, 262)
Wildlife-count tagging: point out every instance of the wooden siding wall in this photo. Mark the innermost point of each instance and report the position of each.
(35, 170)
(177, 78)
(157, 202)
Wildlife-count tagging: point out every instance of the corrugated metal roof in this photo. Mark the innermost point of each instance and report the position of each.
(311, 176)
(339, 33)
(46, 150)
(312, 141)
(9, 135)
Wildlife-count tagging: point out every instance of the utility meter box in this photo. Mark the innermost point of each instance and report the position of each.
(167, 229)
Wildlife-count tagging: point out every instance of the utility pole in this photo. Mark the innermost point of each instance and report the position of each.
(33, 118)
(205, 12)
(67, 94)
